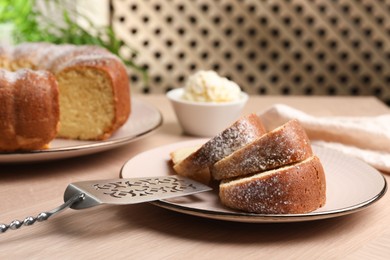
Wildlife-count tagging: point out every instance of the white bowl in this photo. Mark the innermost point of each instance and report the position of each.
(204, 118)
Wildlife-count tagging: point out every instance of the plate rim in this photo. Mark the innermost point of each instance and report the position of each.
(244, 217)
(30, 156)
(268, 218)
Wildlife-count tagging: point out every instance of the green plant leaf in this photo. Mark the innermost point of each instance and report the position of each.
(31, 25)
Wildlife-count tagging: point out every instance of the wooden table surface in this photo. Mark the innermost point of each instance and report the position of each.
(145, 231)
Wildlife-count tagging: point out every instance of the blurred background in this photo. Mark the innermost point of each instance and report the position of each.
(268, 47)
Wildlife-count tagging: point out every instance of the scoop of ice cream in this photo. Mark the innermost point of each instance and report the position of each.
(208, 86)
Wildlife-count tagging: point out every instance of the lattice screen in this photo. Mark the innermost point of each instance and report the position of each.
(288, 47)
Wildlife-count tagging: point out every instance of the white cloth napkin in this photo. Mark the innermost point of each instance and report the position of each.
(367, 138)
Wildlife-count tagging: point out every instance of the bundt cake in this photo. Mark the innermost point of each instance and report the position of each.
(240, 133)
(292, 189)
(29, 109)
(275, 173)
(94, 93)
(284, 145)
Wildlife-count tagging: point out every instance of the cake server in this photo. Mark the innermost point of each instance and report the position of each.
(86, 194)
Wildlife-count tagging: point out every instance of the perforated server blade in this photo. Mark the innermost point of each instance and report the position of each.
(87, 194)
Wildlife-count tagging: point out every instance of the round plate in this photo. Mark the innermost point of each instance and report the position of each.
(143, 120)
(352, 185)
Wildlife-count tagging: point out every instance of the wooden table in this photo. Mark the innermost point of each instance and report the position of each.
(146, 231)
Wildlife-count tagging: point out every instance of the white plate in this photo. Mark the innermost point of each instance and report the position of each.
(352, 185)
(143, 120)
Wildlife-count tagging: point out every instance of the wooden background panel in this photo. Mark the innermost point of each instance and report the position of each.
(289, 47)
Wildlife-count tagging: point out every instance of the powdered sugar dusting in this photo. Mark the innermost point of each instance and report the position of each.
(51, 53)
(54, 58)
(46, 56)
(8, 76)
(26, 79)
(265, 194)
(242, 132)
(285, 145)
(92, 59)
(297, 188)
(29, 51)
(228, 141)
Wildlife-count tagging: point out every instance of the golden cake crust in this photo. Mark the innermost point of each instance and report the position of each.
(54, 60)
(276, 173)
(29, 109)
(284, 145)
(242, 132)
(294, 189)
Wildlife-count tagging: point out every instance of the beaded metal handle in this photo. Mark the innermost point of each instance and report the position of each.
(16, 224)
(86, 194)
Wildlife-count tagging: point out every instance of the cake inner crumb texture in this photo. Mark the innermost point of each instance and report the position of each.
(85, 103)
